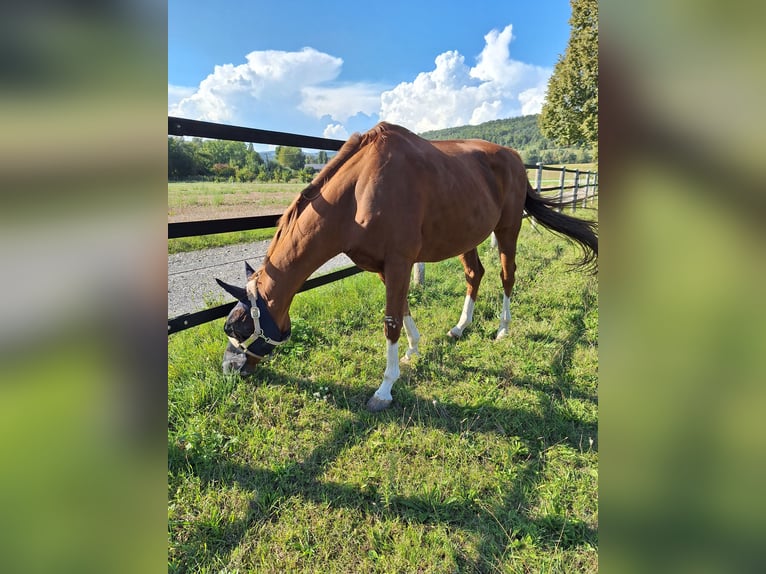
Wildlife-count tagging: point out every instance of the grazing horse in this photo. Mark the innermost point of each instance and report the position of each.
(389, 199)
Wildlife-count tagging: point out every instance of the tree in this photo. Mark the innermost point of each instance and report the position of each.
(180, 158)
(570, 112)
(290, 157)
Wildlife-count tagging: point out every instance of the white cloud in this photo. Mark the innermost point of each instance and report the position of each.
(453, 94)
(287, 91)
(300, 92)
(341, 102)
(487, 111)
(532, 100)
(269, 81)
(335, 131)
(178, 93)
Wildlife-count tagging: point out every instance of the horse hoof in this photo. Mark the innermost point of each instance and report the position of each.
(375, 405)
(501, 334)
(409, 358)
(454, 333)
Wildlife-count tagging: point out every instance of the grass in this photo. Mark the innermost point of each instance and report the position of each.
(486, 462)
(211, 193)
(213, 200)
(185, 244)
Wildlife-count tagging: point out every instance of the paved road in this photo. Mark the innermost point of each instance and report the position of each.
(191, 275)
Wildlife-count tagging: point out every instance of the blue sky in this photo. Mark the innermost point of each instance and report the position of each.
(335, 67)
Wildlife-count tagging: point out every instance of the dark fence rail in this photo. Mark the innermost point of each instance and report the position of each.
(211, 226)
(195, 128)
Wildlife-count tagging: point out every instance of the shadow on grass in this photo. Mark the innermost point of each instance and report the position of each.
(501, 527)
(271, 487)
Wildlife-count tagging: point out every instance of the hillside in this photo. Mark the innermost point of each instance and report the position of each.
(521, 133)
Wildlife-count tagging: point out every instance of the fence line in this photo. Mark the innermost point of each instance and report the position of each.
(185, 127)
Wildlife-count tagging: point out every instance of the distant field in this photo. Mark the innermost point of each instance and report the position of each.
(551, 178)
(195, 201)
(189, 201)
(581, 166)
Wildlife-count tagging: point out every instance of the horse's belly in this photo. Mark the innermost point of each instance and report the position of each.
(449, 236)
(452, 243)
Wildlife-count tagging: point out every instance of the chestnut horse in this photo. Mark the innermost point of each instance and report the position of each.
(389, 199)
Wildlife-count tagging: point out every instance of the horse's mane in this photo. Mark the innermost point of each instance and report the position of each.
(290, 215)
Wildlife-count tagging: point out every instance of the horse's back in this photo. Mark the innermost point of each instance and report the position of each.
(451, 194)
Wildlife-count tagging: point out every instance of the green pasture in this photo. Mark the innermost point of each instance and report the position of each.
(208, 195)
(487, 461)
(215, 193)
(185, 244)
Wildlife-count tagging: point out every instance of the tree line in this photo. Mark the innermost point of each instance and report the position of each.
(219, 160)
(521, 133)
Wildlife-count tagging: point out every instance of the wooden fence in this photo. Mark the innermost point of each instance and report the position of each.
(581, 192)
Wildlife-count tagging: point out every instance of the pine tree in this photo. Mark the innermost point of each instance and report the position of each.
(570, 113)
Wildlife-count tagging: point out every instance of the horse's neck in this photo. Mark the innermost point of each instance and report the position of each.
(299, 252)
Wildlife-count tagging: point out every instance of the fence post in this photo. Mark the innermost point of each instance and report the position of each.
(561, 185)
(419, 274)
(539, 187)
(587, 189)
(576, 184)
(539, 183)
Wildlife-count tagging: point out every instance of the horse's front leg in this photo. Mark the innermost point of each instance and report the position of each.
(397, 283)
(413, 335)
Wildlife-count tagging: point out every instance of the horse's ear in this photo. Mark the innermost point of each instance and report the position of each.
(248, 270)
(239, 292)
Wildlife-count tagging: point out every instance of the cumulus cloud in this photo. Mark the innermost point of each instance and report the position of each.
(532, 100)
(178, 93)
(290, 91)
(269, 80)
(341, 102)
(300, 91)
(335, 131)
(453, 94)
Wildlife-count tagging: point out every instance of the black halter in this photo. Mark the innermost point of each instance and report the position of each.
(266, 336)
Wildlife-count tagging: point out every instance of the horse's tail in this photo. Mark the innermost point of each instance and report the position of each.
(544, 210)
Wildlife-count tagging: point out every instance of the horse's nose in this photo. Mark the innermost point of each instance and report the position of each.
(237, 363)
(233, 362)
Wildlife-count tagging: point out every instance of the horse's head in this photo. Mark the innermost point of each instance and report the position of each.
(252, 333)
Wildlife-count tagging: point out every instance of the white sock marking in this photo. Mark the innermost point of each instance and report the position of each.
(466, 317)
(391, 373)
(413, 338)
(505, 318)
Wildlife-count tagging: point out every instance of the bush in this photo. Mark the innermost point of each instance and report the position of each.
(224, 171)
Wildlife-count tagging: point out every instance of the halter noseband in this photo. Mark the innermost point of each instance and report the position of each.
(264, 338)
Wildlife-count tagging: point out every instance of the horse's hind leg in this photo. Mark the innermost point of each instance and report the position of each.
(474, 271)
(413, 336)
(506, 244)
